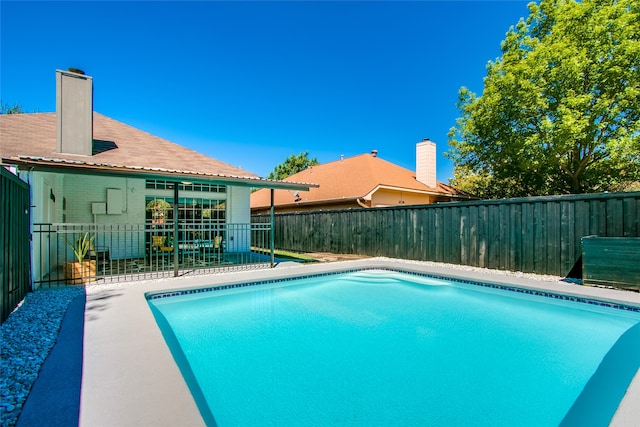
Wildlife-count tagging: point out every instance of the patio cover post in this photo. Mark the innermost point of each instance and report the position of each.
(175, 230)
(272, 241)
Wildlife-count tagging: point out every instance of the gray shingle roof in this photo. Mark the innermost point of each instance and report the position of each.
(117, 147)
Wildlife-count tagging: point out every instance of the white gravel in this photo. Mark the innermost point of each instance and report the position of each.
(27, 337)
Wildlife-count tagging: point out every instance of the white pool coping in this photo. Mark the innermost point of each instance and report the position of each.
(129, 377)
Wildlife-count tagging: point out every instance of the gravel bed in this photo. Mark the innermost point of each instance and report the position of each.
(27, 337)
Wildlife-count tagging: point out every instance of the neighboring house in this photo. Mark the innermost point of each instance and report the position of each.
(363, 181)
(86, 168)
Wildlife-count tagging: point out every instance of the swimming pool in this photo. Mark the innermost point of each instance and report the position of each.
(377, 347)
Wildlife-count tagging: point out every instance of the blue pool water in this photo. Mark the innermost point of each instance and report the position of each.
(387, 348)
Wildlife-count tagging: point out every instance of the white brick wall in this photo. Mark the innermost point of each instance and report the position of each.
(426, 163)
(81, 190)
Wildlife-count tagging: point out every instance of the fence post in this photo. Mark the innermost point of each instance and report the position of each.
(176, 245)
(272, 241)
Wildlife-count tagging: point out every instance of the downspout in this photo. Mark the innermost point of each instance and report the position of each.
(362, 202)
(272, 239)
(175, 230)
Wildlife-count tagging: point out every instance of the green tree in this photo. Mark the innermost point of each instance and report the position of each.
(292, 165)
(560, 109)
(10, 109)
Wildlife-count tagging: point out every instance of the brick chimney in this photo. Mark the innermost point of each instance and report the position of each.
(426, 162)
(74, 111)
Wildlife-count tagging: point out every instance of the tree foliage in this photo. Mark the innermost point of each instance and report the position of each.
(292, 165)
(10, 109)
(560, 108)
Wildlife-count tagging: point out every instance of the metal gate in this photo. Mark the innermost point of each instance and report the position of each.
(15, 266)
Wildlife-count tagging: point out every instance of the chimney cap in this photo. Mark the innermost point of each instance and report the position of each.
(374, 153)
(426, 139)
(75, 70)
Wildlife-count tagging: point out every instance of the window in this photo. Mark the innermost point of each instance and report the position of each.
(190, 210)
(198, 218)
(155, 184)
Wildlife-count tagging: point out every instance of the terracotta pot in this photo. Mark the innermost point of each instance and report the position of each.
(76, 273)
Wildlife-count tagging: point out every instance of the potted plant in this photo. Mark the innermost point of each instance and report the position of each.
(158, 209)
(81, 270)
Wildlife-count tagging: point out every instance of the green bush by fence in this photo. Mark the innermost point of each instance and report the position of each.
(15, 271)
(537, 234)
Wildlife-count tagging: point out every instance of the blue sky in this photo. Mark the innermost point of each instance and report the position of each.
(251, 83)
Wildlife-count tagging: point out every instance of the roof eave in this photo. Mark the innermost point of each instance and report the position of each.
(73, 167)
(409, 190)
(309, 203)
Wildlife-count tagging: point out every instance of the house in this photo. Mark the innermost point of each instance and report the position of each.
(364, 181)
(89, 172)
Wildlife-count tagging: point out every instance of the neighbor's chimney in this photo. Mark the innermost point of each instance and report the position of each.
(374, 153)
(74, 111)
(426, 162)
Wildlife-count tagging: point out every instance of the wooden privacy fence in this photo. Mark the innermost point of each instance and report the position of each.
(537, 234)
(15, 269)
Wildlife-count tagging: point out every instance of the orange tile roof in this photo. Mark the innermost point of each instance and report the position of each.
(31, 139)
(349, 178)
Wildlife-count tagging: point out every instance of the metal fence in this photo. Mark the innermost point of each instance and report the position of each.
(125, 252)
(15, 277)
(536, 234)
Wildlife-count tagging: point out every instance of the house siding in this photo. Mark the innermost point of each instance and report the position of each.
(385, 197)
(43, 210)
(40, 201)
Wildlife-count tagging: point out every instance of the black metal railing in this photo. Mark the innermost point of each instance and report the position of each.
(125, 252)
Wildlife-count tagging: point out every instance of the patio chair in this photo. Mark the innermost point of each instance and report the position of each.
(217, 243)
(213, 249)
(160, 248)
(100, 254)
(189, 251)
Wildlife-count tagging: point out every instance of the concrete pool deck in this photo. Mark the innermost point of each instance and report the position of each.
(129, 377)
